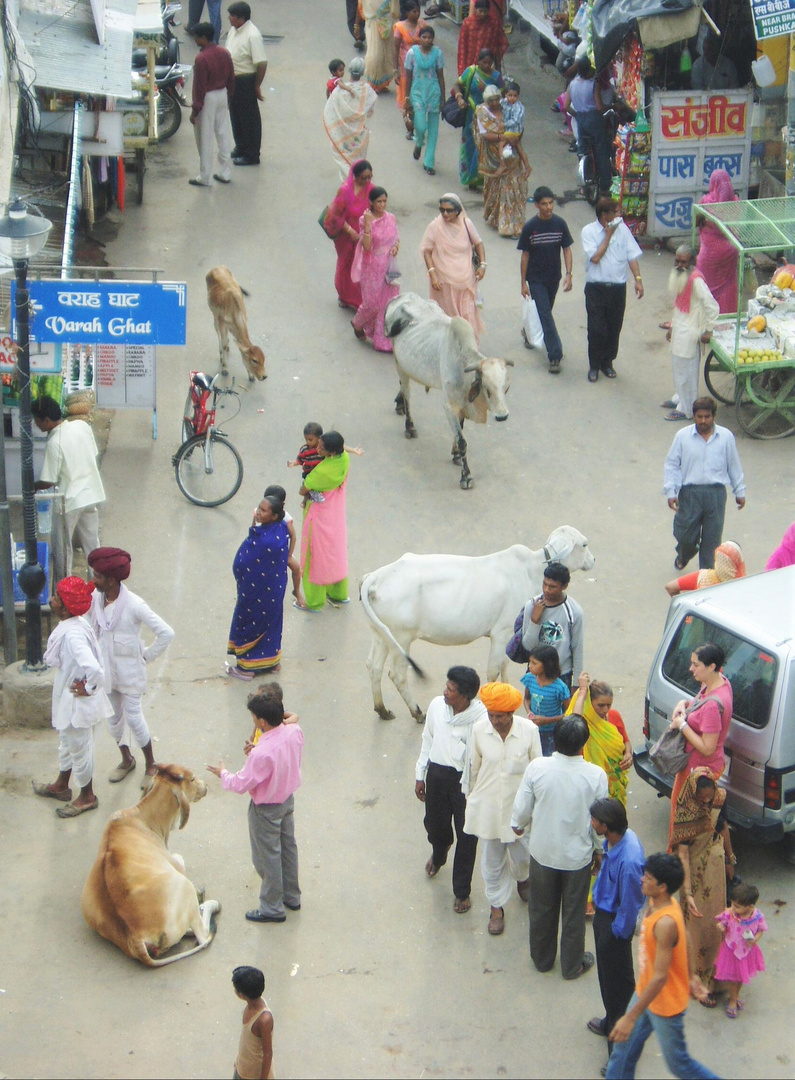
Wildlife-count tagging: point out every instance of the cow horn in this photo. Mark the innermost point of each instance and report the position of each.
(510, 363)
(472, 367)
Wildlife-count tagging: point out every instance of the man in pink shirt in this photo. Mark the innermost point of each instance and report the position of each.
(271, 775)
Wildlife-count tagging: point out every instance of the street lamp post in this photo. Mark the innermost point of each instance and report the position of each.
(22, 236)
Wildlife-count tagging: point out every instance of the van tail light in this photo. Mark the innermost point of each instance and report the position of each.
(646, 730)
(772, 789)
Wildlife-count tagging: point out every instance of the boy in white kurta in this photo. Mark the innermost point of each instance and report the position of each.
(79, 702)
(117, 616)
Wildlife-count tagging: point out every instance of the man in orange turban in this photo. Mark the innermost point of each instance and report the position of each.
(500, 747)
(78, 700)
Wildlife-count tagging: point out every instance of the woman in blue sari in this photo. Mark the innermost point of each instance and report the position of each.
(260, 569)
(469, 92)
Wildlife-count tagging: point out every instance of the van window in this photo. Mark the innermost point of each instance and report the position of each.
(751, 671)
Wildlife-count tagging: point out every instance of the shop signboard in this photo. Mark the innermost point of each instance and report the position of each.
(773, 18)
(694, 133)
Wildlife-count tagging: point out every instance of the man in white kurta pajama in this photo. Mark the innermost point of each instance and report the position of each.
(79, 702)
(695, 313)
(117, 616)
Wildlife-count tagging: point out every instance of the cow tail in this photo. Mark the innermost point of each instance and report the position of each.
(384, 630)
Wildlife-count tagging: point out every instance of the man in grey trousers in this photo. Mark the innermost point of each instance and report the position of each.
(554, 798)
(271, 775)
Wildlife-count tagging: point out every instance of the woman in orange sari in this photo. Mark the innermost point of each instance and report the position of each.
(482, 29)
(407, 33)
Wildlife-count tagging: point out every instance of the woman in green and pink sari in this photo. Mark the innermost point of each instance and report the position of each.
(324, 537)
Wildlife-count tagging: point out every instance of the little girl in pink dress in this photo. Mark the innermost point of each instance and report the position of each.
(739, 957)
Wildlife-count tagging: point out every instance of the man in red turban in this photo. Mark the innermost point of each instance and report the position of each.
(500, 747)
(78, 701)
(117, 616)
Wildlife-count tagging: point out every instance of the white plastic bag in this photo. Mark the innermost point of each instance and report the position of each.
(532, 323)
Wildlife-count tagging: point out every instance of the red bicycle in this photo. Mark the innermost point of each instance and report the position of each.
(208, 468)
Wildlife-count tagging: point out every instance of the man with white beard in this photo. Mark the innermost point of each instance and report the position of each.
(695, 314)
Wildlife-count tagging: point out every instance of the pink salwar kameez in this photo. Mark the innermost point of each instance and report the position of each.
(717, 256)
(369, 269)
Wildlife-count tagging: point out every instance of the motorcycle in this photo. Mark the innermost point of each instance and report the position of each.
(168, 53)
(170, 83)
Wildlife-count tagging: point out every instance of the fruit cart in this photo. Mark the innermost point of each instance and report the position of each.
(751, 362)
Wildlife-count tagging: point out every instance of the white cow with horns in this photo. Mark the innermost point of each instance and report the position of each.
(437, 351)
(455, 599)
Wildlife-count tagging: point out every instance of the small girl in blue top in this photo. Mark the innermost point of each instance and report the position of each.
(546, 696)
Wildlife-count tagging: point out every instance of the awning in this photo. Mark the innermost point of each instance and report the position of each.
(61, 37)
(613, 19)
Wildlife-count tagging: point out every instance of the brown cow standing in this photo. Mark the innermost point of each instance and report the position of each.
(137, 894)
(225, 298)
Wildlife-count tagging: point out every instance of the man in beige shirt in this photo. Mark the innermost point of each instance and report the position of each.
(499, 750)
(244, 42)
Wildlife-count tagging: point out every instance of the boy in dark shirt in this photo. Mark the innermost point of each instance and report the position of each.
(541, 242)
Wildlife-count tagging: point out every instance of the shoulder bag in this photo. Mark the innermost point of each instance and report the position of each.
(452, 113)
(670, 753)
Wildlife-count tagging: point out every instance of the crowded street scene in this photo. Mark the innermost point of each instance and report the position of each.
(399, 501)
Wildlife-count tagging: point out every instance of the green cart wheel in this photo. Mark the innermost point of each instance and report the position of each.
(720, 382)
(765, 403)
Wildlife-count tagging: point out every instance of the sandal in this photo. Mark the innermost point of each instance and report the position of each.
(460, 906)
(360, 334)
(709, 1002)
(237, 673)
(417, 152)
(731, 1011)
(676, 415)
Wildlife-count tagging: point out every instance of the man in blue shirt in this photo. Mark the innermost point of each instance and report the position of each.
(618, 898)
(702, 460)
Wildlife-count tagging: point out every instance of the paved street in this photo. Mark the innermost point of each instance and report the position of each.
(376, 976)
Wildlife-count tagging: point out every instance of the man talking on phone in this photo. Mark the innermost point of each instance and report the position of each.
(609, 249)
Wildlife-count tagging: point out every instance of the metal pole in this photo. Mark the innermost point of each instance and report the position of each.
(6, 571)
(31, 576)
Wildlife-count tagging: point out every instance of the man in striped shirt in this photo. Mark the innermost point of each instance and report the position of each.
(541, 242)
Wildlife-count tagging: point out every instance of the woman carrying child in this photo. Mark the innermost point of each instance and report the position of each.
(546, 695)
(504, 178)
(324, 537)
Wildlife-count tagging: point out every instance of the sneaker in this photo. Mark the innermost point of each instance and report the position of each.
(317, 496)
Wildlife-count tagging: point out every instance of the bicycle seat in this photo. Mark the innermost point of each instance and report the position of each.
(201, 380)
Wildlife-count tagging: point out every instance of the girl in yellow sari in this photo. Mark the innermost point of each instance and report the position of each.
(608, 746)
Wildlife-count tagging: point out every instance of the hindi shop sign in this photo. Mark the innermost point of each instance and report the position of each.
(113, 312)
(695, 133)
(772, 18)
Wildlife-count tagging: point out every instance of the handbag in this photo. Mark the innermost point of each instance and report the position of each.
(322, 223)
(475, 256)
(669, 753)
(452, 113)
(515, 650)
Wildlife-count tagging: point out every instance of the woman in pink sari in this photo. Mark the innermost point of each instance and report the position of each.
(324, 536)
(342, 218)
(379, 240)
(446, 248)
(717, 256)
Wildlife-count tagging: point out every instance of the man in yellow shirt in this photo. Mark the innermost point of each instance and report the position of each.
(244, 42)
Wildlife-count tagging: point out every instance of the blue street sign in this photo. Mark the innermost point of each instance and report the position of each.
(118, 312)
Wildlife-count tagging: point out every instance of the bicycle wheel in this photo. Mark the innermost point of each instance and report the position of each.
(208, 475)
(720, 382)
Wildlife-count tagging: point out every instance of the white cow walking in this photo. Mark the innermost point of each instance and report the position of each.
(437, 351)
(453, 600)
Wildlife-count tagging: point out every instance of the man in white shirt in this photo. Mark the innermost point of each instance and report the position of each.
(609, 248)
(554, 798)
(438, 778)
(117, 616)
(702, 460)
(245, 45)
(500, 746)
(70, 463)
(695, 313)
(711, 71)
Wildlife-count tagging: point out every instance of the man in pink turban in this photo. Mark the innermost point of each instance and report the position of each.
(500, 747)
(78, 701)
(117, 616)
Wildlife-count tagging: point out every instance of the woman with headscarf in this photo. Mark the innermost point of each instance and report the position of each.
(717, 256)
(729, 566)
(446, 248)
(784, 555)
(697, 837)
(342, 222)
(379, 242)
(608, 744)
(482, 29)
(501, 746)
(379, 22)
(345, 116)
(324, 536)
(260, 569)
(79, 701)
(468, 92)
(505, 178)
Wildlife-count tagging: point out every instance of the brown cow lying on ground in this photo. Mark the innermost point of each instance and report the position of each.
(137, 894)
(225, 298)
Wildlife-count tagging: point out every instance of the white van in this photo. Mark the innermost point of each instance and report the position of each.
(753, 621)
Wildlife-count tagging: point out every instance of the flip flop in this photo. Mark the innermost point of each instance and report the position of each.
(460, 906)
(75, 811)
(306, 610)
(731, 1012)
(46, 793)
(708, 1002)
(235, 673)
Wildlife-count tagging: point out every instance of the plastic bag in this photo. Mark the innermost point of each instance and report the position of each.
(393, 274)
(532, 323)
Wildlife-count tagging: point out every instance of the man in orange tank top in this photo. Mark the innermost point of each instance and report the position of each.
(662, 991)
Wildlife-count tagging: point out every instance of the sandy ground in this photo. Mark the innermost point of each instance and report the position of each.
(376, 976)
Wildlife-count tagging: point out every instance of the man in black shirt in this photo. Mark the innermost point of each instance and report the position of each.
(540, 243)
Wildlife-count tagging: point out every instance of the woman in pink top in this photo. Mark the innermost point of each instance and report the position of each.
(704, 720)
